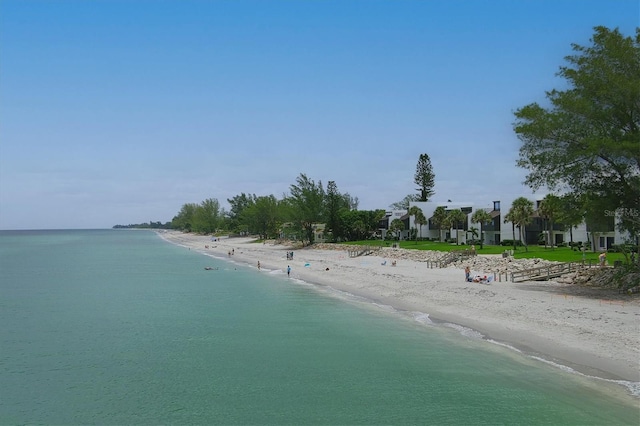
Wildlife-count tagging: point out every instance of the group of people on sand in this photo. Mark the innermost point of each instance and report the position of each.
(476, 278)
(288, 269)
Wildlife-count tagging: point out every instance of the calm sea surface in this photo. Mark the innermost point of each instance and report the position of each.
(121, 327)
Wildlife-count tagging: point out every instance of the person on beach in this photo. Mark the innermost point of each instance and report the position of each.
(467, 274)
(288, 270)
(258, 265)
(602, 258)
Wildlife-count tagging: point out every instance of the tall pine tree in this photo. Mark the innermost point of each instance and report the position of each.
(424, 178)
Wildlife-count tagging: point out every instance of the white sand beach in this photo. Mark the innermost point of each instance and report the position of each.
(593, 331)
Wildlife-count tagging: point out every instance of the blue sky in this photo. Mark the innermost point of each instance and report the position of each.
(117, 112)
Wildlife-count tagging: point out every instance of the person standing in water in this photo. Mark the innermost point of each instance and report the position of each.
(288, 270)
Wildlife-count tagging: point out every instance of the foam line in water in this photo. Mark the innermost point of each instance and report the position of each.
(465, 331)
(425, 319)
(504, 345)
(422, 318)
(633, 387)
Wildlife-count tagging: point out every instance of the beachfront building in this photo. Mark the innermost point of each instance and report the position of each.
(385, 223)
(537, 231)
(458, 231)
(496, 231)
(319, 232)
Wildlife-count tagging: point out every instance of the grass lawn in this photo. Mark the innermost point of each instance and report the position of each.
(559, 254)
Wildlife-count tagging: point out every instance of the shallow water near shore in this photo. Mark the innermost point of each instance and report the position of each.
(113, 327)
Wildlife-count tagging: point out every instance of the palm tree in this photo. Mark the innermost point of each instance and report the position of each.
(522, 209)
(509, 217)
(549, 209)
(397, 226)
(481, 216)
(418, 218)
(439, 219)
(455, 217)
(421, 220)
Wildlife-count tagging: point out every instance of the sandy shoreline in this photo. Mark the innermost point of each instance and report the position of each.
(595, 332)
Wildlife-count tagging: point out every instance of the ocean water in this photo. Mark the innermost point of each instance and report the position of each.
(121, 327)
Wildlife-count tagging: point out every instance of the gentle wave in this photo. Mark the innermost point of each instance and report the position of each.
(425, 319)
(633, 387)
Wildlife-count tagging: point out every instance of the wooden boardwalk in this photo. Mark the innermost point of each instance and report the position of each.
(454, 256)
(362, 251)
(543, 273)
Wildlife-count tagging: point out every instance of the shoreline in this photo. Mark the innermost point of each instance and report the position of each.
(593, 332)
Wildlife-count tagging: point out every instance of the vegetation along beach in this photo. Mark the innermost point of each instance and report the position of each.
(320, 212)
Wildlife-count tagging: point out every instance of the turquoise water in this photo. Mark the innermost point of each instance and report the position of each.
(120, 327)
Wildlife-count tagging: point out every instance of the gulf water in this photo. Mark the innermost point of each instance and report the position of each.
(121, 327)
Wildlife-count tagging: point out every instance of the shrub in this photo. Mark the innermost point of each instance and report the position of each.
(622, 248)
(510, 243)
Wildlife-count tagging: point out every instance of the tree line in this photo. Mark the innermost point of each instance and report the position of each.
(584, 145)
(294, 216)
(150, 225)
(297, 214)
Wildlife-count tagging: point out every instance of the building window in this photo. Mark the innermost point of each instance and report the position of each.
(496, 205)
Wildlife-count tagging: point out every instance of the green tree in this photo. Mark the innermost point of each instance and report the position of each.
(334, 202)
(307, 205)
(549, 210)
(424, 178)
(474, 232)
(239, 204)
(571, 213)
(184, 219)
(396, 227)
(588, 140)
(207, 216)
(597, 222)
(404, 203)
(263, 216)
(520, 215)
(359, 224)
(456, 218)
(420, 219)
(439, 220)
(413, 211)
(510, 217)
(482, 217)
(351, 202)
